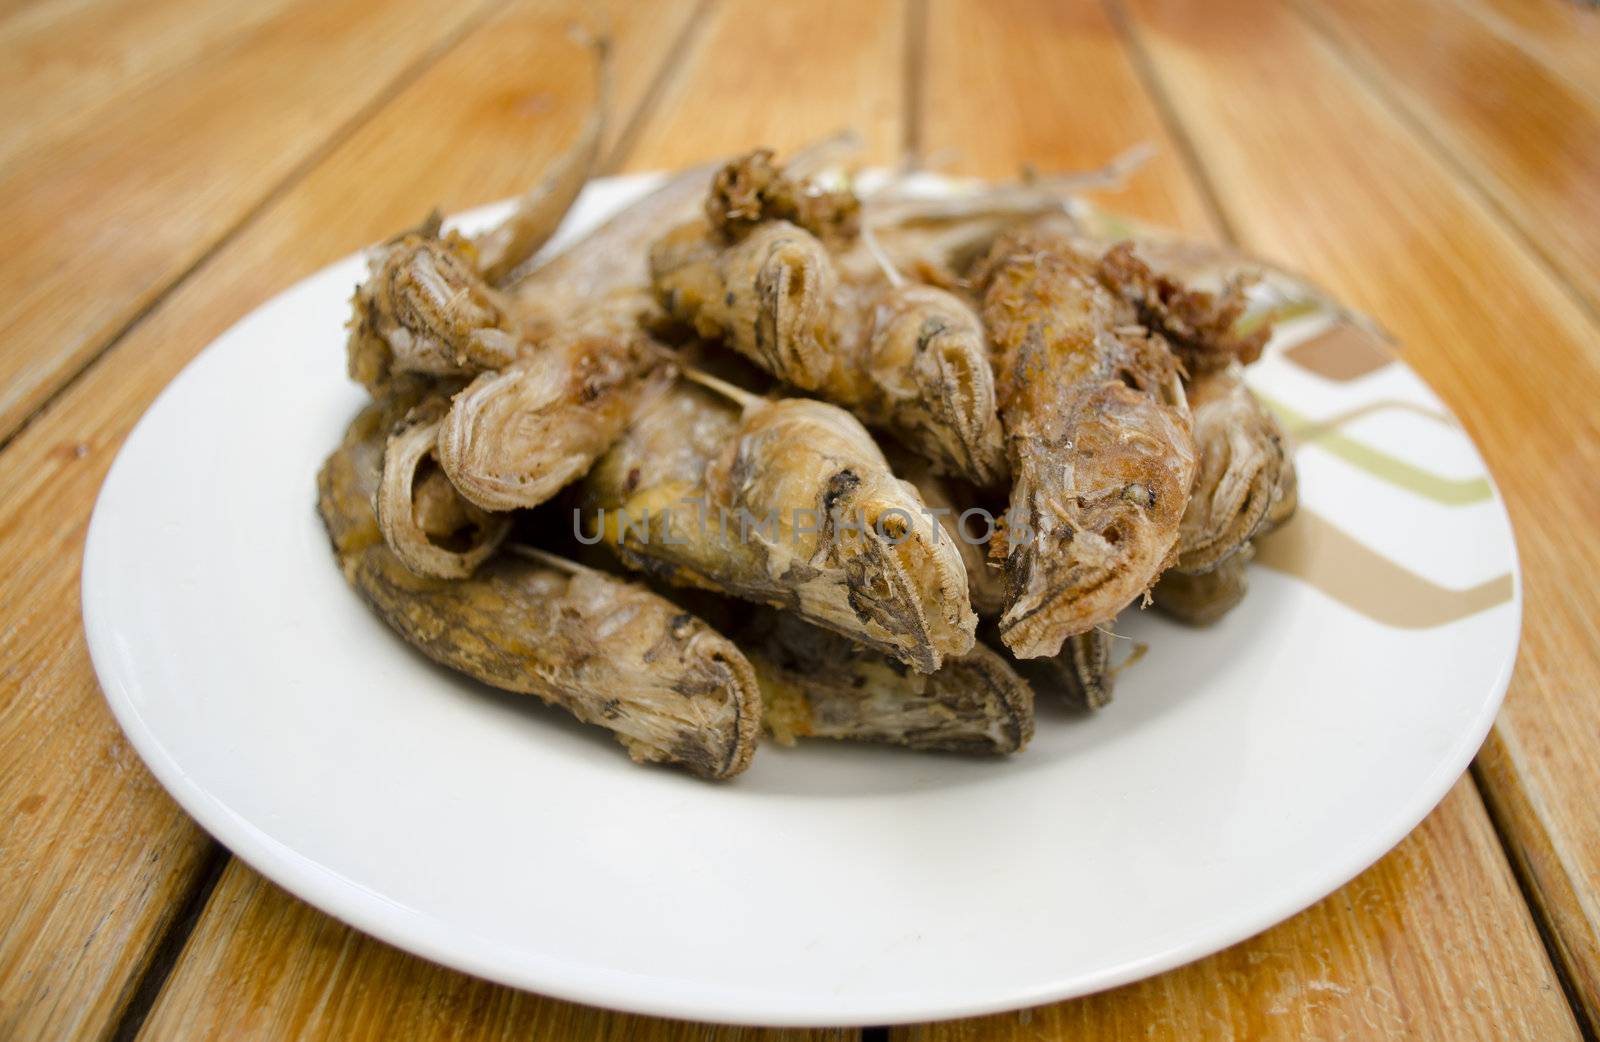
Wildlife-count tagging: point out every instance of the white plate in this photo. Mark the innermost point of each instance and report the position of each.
(1242, 773)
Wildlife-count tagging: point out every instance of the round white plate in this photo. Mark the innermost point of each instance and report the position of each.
(1242, 773)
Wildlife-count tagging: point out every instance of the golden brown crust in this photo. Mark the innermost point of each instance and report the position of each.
(989, 334)
(816, 684)
(515, 437)
(1243, 454)
(1201, 598)
(751, 189)
(788, 503)
(610, 652)
(1200, 325)
(1245, 488)
(1102, 452)
(424, 520)
(950, 499)
(424, 309)
(610, 261)
(907, 358)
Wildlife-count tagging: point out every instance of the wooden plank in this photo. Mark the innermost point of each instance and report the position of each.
(1524, 133)
(1432, 942)
(1563, 34)
(783, 75)
(102, 220)
(1388, 227)
(98, 855)
(1542, 859)
(1049, 84)
(263, 964)
(1342, 969)
(64, 63)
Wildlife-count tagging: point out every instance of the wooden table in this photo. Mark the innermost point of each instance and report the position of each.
(166, 165)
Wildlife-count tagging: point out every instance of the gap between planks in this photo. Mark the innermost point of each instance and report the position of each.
(671, 67)
(1528, 887)
(1187, 153)
(914, 98)
(164, 954)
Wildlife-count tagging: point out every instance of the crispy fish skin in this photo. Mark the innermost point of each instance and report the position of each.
(428, 305)
(752, 189)
(1243, 453)
(816, 684)
(423, 518)
(937, 241)
(1246, 485)
(613, 654)
(425, 309)
(517, 436)
(788, 503)
(1099, 436)
(431, 304)
(609, 261)
(612, 258)
(557, 365)
(1081, 675)
(909, 358)
(770, 295)
(1200, 325)
(1201, 598)
(950, 499)
(777, 273)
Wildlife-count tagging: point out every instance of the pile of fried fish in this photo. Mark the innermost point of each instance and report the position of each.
(763, 455)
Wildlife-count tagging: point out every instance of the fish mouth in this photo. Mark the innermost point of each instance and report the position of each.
(901, 582)
(732, 673)
(1040, 630)
(983, 674)
(1051, 604)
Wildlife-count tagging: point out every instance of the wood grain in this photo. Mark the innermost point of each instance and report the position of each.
(1432, 942)
(103, 855)
(1563, 34)
(263, 964)
(1050, 84)
(1389, 228)
(101, 220)
(782, 75)
(70, 64)
(1522, 131)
